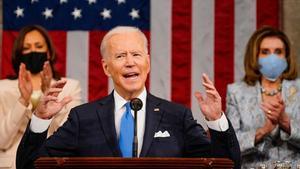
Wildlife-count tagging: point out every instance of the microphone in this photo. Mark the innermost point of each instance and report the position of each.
(135, 104)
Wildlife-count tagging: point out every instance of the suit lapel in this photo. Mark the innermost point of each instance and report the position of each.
(107, 120)
(153, 118)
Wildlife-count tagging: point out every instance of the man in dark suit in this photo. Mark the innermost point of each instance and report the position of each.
(165, 129)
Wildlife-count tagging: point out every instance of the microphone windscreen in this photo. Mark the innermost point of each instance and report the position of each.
(136, 104)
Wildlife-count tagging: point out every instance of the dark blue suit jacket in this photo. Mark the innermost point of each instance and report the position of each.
(90, 131)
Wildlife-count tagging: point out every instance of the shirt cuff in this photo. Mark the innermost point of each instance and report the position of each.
(220, 124)
(38, 125)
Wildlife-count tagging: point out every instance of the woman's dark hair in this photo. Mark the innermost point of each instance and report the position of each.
(18, 47)
(252, 73)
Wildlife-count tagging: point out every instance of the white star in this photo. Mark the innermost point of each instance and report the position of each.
(134, 14)
(32, 1)
(76, 13)
(48, 13)
(106, 13)
(121, 1)
(19, 12)
(92, 2)
(63, 1)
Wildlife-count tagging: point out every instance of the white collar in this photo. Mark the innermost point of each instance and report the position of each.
(120, 101)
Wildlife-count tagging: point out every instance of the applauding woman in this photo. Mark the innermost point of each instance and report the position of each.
(33, 58)
(265, 107)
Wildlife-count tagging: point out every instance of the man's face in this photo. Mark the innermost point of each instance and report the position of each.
(127, 63)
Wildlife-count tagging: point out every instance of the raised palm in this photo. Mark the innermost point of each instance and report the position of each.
(49, 104)
(24, 84)
(46, 76)
(211, 105)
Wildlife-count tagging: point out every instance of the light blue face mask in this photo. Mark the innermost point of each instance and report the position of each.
(272, 66)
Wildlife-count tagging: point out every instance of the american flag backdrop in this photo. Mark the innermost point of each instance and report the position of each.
(186, 37)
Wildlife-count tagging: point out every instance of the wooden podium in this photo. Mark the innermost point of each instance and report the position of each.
(131, 163)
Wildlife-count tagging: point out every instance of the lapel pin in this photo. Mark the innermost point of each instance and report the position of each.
(156, 109)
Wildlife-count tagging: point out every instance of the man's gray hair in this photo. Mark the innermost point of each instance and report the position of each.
(118, 30)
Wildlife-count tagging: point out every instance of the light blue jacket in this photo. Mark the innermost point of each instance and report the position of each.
(243, 109)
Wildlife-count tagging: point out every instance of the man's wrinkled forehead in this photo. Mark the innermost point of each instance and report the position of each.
(129, 41)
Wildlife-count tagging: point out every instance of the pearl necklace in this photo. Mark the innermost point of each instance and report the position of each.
(272, 92)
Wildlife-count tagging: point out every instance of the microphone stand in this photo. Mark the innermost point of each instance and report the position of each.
(135, 139)
(136, 104)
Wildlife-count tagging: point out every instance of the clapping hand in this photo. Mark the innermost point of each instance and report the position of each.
(49, 105)
(211, 105)
(46, 76)
(273, 108)
(25, 85)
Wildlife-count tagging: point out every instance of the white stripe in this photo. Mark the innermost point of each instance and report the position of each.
(160, 76)
(244, 26)
(78, 59)
(202, 48)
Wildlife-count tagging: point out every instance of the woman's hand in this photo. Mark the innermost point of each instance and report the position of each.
(25, 85)
(211, 105)
(267, 128)
(274, 108)
(46, 77)
(275, 111)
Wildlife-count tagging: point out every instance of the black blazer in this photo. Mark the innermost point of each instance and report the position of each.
(90, 131)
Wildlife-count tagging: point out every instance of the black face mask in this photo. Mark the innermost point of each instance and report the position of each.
(34, 61)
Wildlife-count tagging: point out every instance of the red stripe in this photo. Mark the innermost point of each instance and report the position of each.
(224, 45)
(267, 13)
(59, 39)
(181, 51)
(8, 38)
(98, 81)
